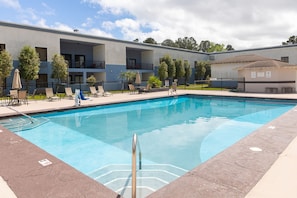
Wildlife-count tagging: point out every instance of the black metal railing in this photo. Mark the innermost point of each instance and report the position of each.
(87, 64)
(141, 66)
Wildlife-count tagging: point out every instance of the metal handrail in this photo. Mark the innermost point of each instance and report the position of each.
(135, 144)
(27, 116)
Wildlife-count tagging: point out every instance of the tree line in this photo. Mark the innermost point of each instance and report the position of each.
(191, 44)
(180, 69)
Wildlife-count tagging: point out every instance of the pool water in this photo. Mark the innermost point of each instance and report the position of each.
(183, 131)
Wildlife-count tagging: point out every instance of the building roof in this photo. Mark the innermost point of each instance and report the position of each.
(271, 63)
(242, 59)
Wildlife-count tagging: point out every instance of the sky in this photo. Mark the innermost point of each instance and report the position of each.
(244, 24)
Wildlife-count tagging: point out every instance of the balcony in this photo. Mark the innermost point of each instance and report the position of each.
(141, 66)
(88, 64)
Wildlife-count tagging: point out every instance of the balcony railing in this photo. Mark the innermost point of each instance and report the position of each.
(88, 64)
(141, 66)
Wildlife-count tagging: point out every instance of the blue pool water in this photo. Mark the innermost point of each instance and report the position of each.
(183, 131)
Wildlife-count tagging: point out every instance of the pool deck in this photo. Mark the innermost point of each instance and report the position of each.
(236, 172)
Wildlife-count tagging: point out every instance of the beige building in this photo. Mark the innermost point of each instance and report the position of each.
(254, 73)
(270, 76)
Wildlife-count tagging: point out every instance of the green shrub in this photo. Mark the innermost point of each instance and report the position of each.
(154, 81)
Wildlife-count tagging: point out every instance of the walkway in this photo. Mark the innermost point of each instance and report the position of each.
(236, 172)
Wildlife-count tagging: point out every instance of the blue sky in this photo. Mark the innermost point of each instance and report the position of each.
(243, 24)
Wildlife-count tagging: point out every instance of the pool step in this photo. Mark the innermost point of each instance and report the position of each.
(149, 179)
(22, 123)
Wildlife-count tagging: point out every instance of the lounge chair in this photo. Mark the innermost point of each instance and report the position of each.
(102, 92)
(132, 89)
(94, 91)
(69, 93)
(23, 97)
(50, 94)
(145, 89)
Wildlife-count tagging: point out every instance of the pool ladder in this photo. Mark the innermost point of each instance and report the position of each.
(135, 144)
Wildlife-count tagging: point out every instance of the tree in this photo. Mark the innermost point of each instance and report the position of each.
(171, 66)
(29, 63)
(208, 70)
(215, 47)
(91, 80)
(229, 47)
(291, 40)
(188, 71)
(200, 70)
(187, 43)
(129, 76)
(150, 40)
(163, 71)
(169, 43)
(5, 67)
(59, 68)
(180, 69)
(204, 46)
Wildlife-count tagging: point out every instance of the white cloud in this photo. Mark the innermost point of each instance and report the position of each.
(97, 32)
(61, 26)
(108, 25)
(241, 23)
(48, 10)
(88, 23)
(11, 4)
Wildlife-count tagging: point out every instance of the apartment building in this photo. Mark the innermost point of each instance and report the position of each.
(106, 58)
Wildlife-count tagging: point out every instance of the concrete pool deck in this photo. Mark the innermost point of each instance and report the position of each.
(236, 172)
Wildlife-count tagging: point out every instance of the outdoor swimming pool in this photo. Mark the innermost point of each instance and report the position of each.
(180, 131)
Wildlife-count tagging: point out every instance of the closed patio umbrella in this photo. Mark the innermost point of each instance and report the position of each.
(16, 81)
(138, 79)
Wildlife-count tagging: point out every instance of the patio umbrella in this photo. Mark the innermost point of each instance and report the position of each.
(16, 82)
(138, 79)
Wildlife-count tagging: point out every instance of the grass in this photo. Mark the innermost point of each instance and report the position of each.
(184, 87)
(199, 87)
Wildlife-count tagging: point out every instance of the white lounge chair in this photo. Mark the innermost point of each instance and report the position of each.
(69, 93)
(132, 89)
(102, 92)
(94, 91)
(50, 94)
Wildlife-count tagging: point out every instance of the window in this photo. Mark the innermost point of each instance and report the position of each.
(68, 58)
(131, 63)
(285, 59)
(78, 79)
(211, 58)
(42, 53)
(268, 74)
(253, 74)
(2, 47)
(41, 81)
(79, 61)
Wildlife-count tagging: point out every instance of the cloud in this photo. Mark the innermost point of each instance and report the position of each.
(61, 26)
(11, 4)
(97, 32)
(48, 10)
(240, 23)
(88, 22)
